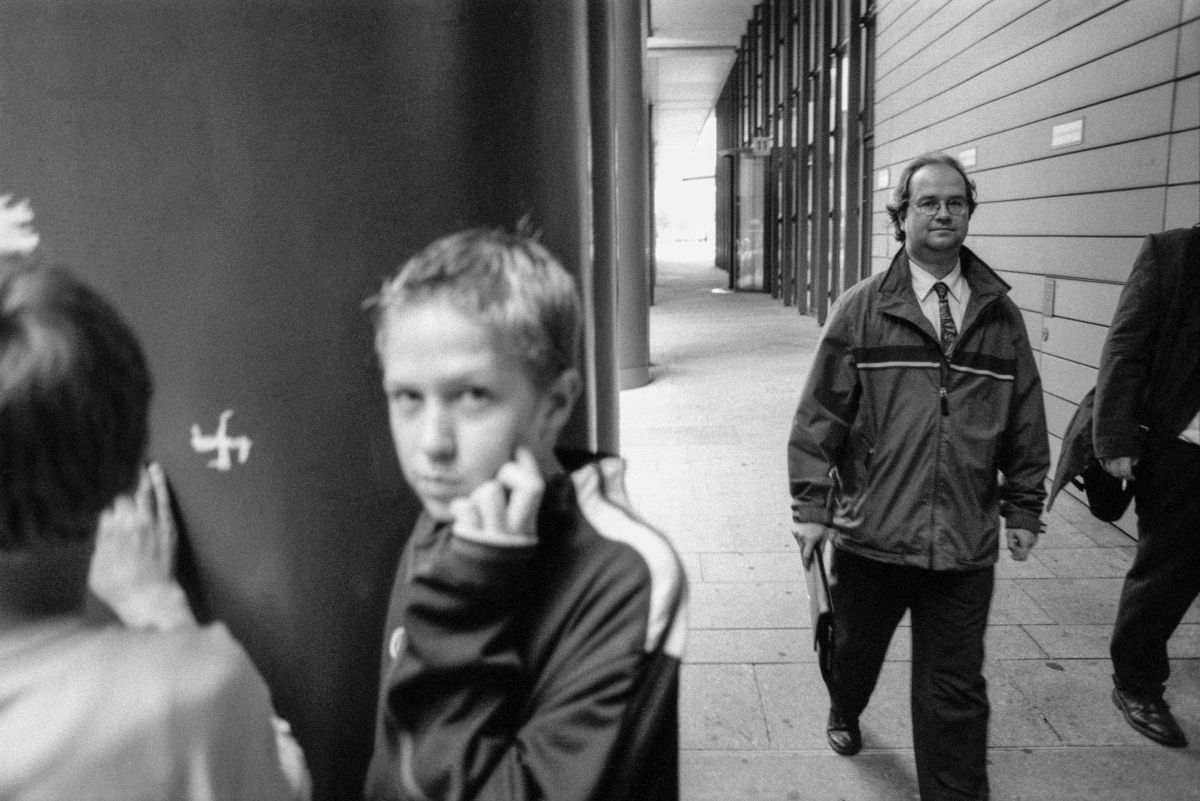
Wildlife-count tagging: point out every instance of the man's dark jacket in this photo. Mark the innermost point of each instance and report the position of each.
(1150, 369)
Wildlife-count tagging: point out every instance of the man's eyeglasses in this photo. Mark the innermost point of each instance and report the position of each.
(929, 207)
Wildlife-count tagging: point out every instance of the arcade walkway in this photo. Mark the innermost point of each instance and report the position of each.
(705, 440)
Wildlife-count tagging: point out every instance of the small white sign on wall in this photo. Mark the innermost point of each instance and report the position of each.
(1069, 133)
(967, 157)
(882, 179)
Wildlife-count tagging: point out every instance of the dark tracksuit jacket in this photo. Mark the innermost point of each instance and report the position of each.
(898, 446)
(536, 672)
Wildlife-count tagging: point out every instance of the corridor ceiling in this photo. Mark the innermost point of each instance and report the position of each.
(689, 54)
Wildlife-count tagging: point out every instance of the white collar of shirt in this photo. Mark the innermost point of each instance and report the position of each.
(957, 297)
(923, 280)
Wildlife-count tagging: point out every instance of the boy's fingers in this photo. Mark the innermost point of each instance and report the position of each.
(525, 459)
(466, 515)
(524, 481)
(522, 474)
(141, 496)
(488, 498)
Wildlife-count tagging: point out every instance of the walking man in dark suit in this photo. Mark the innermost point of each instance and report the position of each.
(1146, 429)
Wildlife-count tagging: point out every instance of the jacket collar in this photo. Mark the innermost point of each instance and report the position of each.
(898, 298)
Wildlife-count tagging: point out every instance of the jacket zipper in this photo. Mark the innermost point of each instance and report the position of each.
(942, 390)
(937, 445)
(944, 402)
(944, 399)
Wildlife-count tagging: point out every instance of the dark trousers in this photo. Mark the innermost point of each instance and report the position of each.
(1165, 577)
(949, 693)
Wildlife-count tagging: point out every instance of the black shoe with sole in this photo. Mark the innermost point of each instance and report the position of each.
(1149, 716)
(843, 734)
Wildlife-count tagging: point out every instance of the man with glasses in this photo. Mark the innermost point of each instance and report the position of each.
(923, 389)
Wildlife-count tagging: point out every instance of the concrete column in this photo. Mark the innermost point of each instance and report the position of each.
(604, 223)
(632, 193)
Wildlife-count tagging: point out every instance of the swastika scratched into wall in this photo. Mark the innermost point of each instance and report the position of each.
(222, 443)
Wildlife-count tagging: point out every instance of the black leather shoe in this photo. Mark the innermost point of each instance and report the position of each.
(1149, 716)
(843, 734)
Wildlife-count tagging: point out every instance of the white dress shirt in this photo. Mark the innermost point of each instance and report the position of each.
(957, 297)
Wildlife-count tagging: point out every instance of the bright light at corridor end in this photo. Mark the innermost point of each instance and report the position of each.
(685, 191)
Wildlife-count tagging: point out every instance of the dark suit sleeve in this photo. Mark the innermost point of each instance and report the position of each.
(828, 406)
(1025, 451)
(1126, 360)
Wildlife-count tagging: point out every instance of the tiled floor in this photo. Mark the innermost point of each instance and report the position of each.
(706, 444)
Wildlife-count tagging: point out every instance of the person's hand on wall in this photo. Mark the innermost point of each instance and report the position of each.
(133, 565)
(17, 236)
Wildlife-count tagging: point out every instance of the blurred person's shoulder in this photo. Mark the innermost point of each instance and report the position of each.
(117, 707)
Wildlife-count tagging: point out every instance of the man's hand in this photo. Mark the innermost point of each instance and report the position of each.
(809, 537)
(1020, 541)
(133, 566)
(1120, 467)
(503, 511)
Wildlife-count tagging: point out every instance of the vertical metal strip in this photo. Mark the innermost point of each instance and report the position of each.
(804, 159)
(821, 160)
(837, 170)
(868, 138)
(788, 253)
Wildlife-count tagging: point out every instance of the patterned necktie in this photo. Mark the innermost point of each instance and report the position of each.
(949, 332)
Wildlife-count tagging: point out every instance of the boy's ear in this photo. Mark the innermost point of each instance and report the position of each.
(558, 401)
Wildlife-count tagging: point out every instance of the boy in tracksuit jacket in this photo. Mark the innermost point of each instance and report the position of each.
(535, 627)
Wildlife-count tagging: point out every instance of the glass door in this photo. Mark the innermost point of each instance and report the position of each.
(751, 206)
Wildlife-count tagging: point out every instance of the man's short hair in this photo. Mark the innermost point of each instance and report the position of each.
(899, 205)
(509, 283)
(74, 394)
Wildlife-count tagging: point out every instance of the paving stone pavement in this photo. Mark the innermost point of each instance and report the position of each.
(706, 447)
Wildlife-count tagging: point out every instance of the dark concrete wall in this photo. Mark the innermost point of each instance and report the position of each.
(238, 177)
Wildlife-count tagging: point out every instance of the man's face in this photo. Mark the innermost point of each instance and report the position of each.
(935, 238)
(458, 408)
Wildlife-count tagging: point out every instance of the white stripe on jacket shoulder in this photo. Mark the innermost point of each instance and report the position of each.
(600, 492)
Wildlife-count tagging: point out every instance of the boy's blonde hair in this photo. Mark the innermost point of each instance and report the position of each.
(509, 283)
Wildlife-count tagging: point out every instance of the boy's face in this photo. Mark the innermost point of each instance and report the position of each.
(458, 407)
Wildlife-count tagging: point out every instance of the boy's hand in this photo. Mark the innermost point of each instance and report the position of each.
(503, 511)
(133, 566)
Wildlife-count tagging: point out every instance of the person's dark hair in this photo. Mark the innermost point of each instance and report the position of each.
(510, 283)
(899, 205)
(74, 397)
